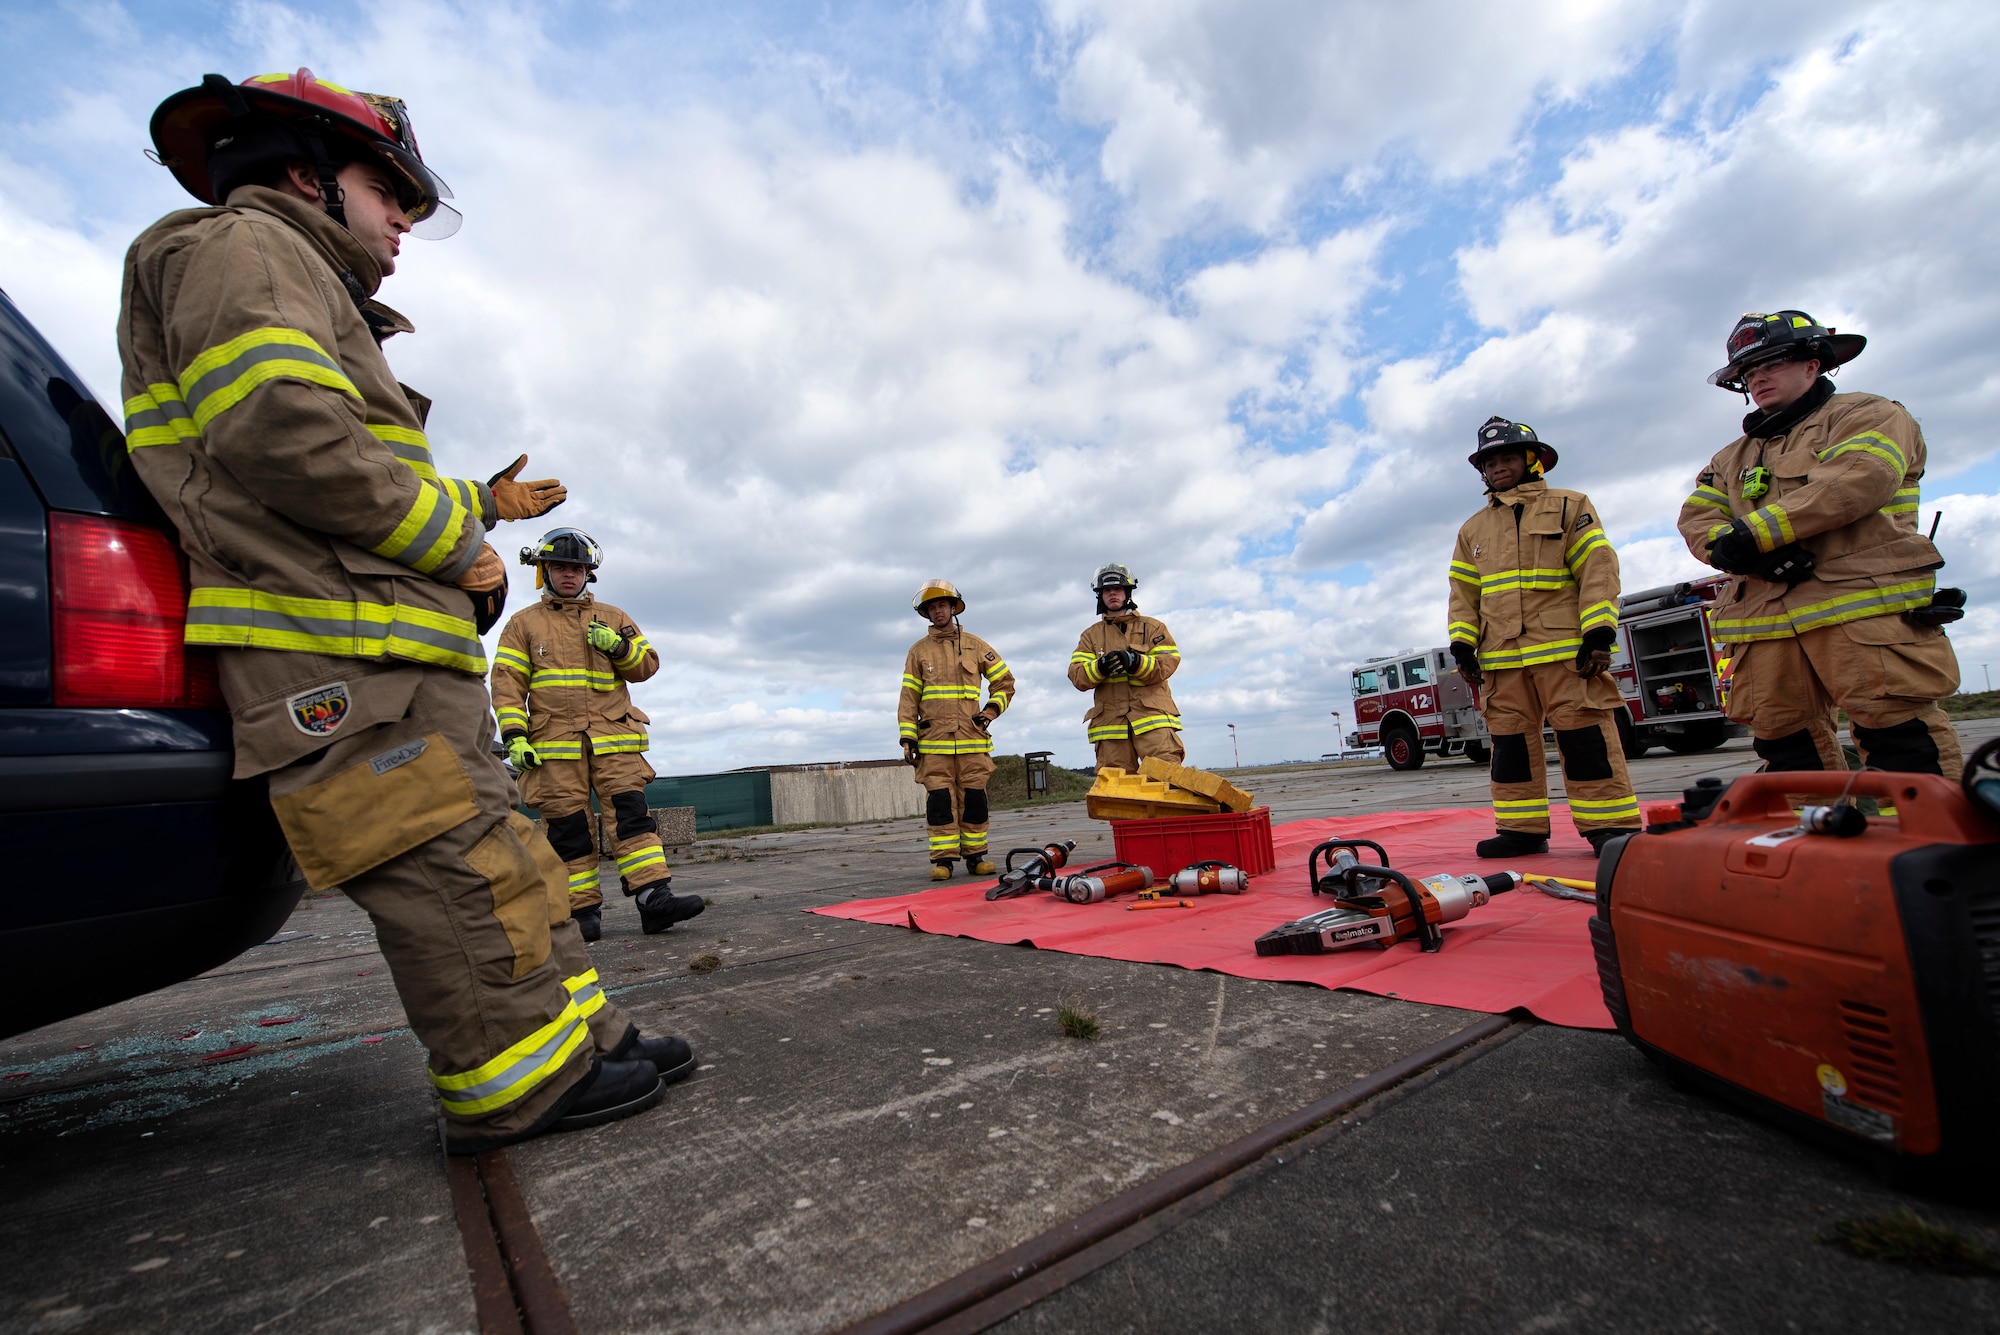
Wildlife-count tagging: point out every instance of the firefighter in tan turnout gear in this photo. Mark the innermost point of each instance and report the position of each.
(1534, 613)
(944, 729)
(1124, 660)
(343, 586)
(1835, 601)
(569, 724)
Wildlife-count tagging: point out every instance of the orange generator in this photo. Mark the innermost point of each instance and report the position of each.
(1837, 973)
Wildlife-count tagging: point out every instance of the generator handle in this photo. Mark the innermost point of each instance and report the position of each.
(1927, 805)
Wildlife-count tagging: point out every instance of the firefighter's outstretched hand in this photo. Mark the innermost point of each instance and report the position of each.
(514, 499)
(486, 581)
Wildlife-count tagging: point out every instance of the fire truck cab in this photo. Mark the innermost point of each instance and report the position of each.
(1415, 704)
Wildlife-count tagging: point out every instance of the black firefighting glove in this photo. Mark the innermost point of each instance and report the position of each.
(909, 752)
(1788, 565)
(1132, 658)
(1594, 654)
(983, 720)
(1467, 659)
(1946, 606)
(1735, 552)
(1111, 662)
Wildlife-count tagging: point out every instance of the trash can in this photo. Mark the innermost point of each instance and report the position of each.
(1038, 773)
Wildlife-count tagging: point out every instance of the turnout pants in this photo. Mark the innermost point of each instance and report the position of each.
(1126, 752)
(955, 804)
(406, 809)
(560, 790)
(1886, 673)
(1516, 701)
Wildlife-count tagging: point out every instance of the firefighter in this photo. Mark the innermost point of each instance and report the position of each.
(569, 726)
(1814, 510)
(946, 732)
(343, 587)
(1534, 613)
(1125, 659)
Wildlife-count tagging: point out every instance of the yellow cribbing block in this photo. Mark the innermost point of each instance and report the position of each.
(1197, 781)
(1120, 796)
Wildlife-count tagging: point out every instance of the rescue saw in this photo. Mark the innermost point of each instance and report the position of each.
(1376, 905)
(1835, 972)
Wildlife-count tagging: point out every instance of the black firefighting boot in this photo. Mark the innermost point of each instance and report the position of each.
(1512, 844)
(589, 921)
(1599, 838)
(660, 908)
(613, 1090)
(671, 1057)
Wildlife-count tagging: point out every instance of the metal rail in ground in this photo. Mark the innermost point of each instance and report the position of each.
(1020, 1276)
(514, 1288)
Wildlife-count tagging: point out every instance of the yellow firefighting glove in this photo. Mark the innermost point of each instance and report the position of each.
(604, 639)
(521, 753)
(524, 500)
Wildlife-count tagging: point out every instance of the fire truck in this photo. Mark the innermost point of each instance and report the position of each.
(1414, 704)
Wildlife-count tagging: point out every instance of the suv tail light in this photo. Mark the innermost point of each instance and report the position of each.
(120, 603)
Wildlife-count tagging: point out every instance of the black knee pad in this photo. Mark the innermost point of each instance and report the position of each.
(1793, 751)
(1906, 748)
(937, 807)
(570, 835)
(975, 806)
(1584, 754)
(1510, 758)
(633, 816)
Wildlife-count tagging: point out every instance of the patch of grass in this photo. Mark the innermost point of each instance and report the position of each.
(706, 962)
(1902, 1237)
(1009, 785)
(1076, 1023)
(1972, 704)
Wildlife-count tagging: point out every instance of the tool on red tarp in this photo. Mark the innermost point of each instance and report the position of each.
(1208, 878)
(1159, 904)
(1088, 887)
(1562, 887)
(1034, 874)
(1378, 905)
(1845, 963)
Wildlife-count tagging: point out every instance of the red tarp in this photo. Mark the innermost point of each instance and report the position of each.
(1523, 949)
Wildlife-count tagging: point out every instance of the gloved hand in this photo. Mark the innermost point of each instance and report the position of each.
(1111, 663)
(1467, 659)
(1594, 654)
(1133, 658)
(1788, 565)
(1946, 606)
(604, 639)
(524, 500)
(486, 581)
(1735, 552)
(909, 752)
(521, 753)
(983, 720)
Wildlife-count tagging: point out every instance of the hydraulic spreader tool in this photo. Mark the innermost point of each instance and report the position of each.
(1036, 872)
(1834, 971)
(1377, 905)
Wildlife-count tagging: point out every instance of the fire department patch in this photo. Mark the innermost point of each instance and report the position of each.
(318, 713)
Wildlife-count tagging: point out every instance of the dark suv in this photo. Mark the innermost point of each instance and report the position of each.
(129, 859)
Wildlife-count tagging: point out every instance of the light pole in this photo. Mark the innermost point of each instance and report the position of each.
(1989, 675)
(1339, 736)
(1236, 754)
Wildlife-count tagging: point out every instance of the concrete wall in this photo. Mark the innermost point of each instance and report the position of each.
(839, 793)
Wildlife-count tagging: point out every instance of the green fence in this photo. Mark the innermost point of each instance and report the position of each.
(720, 801)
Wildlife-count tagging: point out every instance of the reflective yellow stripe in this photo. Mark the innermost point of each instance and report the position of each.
(224, 375)
(158, 417)
(1110, 732)
(911, 683)
(589, 993)
(906, 730)
(1870, 442)
(641, 858)
(966, 746)
(583, 880)
(999, 698)
(1528, 655)
(1502, 581)
(508, 657)
(1857, 606)
(972, 841)
(635, 653)
(570, 750)
(1772, 526)
(994, 670)
(428, 533)
(248, 619)
(944, 843)
(1610, 808)
(1600, 614)
(1906, 501)
(1465, 572)
(1584, 546)
(516, 1072)
(1154, 722)
(556, 679)
(409, 445)
(1717, 530)
(950, 693)
(510, 717)
(1464, 632)
(1522, 805)
(1709, 496)
(620, 743)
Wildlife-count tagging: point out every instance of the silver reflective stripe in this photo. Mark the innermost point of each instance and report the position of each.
(520, 1070)
(163, 415)
(229, 372)
(427, 537)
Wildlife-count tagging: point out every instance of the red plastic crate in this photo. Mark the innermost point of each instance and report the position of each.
(1169, 843)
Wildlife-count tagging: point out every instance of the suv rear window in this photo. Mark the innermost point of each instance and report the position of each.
(70, 446)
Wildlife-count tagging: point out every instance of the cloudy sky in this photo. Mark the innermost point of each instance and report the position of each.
(807, 302)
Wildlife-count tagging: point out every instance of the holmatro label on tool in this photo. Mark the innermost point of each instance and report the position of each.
(1858, 1118)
